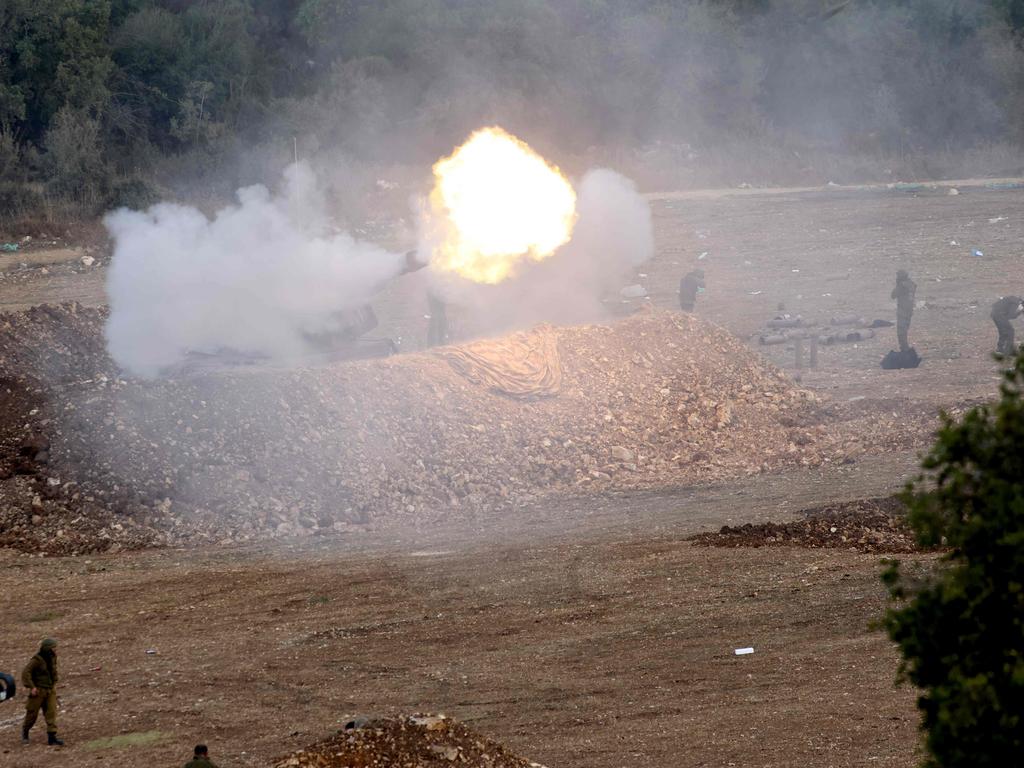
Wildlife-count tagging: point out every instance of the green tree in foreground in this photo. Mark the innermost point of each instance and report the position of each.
(961, 630)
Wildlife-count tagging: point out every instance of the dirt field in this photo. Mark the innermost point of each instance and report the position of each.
(576, 651)
(583, 634)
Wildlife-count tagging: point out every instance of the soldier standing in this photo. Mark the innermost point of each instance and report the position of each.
(1003, 311)
(40, 680)
(691, 284)
(437, 328)
(904, 295)
(200, 758)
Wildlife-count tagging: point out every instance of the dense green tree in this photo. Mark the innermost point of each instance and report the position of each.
(184, 77)
(74, 156)
(401, 80)
(961, 629)
(55, 55)
(1012, 11)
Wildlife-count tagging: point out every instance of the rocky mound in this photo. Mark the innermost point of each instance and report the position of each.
(868, 525)
(230, 453)
(420, 740)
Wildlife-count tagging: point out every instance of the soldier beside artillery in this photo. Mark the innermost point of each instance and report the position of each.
(691, 284)
(1003, 311)
(904, 293)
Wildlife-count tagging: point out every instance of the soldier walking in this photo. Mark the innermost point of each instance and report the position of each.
(691, 284)
(904, 295)
(1003, 311)
(40, 680)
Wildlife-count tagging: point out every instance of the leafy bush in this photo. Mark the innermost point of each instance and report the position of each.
(961, 631)
(74, 156)
(17, 198)
(134, 193)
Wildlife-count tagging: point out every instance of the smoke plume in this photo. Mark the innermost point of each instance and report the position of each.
(258, 278)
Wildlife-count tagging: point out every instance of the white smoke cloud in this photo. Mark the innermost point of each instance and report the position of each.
(256, 278)
(613, 236)
(613, 233)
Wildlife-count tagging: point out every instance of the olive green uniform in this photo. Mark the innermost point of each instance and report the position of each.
(1003, 311)
(200, 762)
(41, 673)
(689, 287)
(904, 294)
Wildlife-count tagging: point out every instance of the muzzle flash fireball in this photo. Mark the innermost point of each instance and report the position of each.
(495, 203)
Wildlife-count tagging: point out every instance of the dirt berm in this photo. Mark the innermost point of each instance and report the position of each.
(91, 459)
(420, 740)
(865, 525)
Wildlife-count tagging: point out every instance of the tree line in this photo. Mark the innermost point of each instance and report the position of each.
(99, 98)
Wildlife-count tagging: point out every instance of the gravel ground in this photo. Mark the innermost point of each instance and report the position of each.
(94, 461)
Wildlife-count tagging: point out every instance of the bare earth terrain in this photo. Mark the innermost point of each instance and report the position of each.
(587, 632)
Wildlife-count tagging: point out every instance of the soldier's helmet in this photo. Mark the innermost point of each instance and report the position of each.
(48, 644)
(902, 274)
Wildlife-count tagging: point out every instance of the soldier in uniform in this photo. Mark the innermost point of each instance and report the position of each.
(437, 328)
(1003, 311)
(200, 758)
(689, 287)
(904, 295)
(40, 680)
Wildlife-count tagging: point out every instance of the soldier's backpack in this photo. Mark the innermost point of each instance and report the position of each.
(7, 687)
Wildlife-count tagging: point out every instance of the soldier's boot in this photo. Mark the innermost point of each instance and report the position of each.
(53, 741)
(24, 735)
